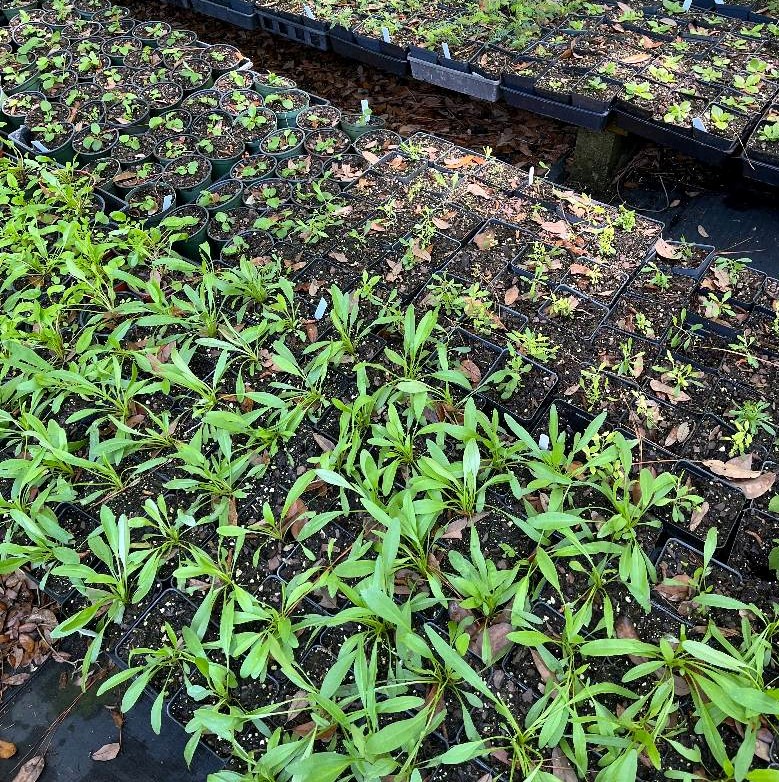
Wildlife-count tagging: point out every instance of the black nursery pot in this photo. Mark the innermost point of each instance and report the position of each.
(228, 192)
(540, 394)
(729, 497)
(195, 234)
(91, 136)
(161, 200)
(188, 183)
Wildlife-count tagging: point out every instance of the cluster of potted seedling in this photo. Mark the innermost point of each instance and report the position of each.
(157, 117)
(701, 72)
(411, 466)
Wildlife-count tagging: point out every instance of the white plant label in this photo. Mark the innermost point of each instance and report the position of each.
(543, 442)
(445, 47)
(308, 12)
(531, 175)
(364, 106)
(321, 308)
(697, 123)
(686, 5)
(385, 35)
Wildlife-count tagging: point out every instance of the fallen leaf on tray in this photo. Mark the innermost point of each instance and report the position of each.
(757, 487)
(478, 190)
(738, 468)
(472, 372)
(543, 671)
(511, 295)
(420, 252)
(635, 59)
(667, 250)
(16, 679)
(648, 43)
(558, 228)
(31, 770)
(498, 641)
(107, 752)
(675, 589)
(7, 750)
(324, 443)
(698, 515)
(626, 629)
(673, 394)
(764, 741)
(484, 240)
(455, 530)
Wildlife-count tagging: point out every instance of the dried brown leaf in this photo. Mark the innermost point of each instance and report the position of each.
(31, 770)
(107, 752)
(475, 189)
(757, 487)
(698, 515)
(543, 671)
(676, 589)
(737, 469)
(484, 240)
(674, 395)
(666, 250)
(455, 529)
(472, 372)
(7, 750)
(635, 59)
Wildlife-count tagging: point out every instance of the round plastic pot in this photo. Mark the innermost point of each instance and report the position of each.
(88, 157)
(165, 211)
(353, 128)
(269, 89)
(62, 154)
(10, 11)
(291, 152)
(12, 120)
(106, 184)
(123, 190)
(221, 166)
(189, 194)
(33, 84)
(271, 172)
(190, 247)
(230, 203)
(287, 119)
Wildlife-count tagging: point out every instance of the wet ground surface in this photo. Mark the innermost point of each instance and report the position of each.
(52, 718)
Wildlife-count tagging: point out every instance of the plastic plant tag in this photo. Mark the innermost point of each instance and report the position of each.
(321, 308)
(719, 2)
(40, 147)
(531, 175)
(385, 34)
(167, 202)
(445, 47)
(308, 12)
(364, 106)
(697, 123)
(686, 5)
(543, 442)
